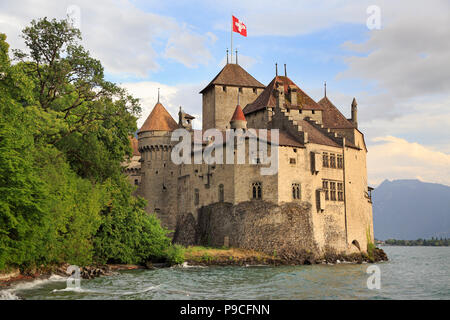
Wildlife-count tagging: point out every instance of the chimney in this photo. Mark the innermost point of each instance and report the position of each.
(293, 95)
(279, 94)
(355, 113)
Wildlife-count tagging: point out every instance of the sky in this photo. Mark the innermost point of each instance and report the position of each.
(392, 56)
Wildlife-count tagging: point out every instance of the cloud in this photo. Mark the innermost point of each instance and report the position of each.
(406, 59)
(188, 48)
(290, 18)
(172, 97)
(122, 36)
(395, 158)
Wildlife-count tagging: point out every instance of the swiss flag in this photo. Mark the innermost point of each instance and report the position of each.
(239, 27)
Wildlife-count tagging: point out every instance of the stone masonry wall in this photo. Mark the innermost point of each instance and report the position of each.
(284, 230)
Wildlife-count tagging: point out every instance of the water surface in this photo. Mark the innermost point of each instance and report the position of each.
(411, 273)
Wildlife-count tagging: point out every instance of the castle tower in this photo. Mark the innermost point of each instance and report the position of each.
(157, 176)
(220, 95)
(238, 120)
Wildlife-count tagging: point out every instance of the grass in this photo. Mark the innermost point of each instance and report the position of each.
(211, 254)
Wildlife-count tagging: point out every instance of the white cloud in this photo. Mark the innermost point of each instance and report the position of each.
(122, 36)
(188, 48)
(395, 158)
(289, 18)
(172, 97)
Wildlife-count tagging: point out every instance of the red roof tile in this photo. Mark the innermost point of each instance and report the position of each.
(267, 97)
(238, 114)
(159, 120)
(134, 146)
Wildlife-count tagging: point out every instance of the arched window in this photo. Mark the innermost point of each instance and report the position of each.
(256, 190)
(296, 191)
(221, 193)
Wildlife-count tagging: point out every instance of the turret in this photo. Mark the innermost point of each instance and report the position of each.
(354, 118)
(238, 120)
(185, 120)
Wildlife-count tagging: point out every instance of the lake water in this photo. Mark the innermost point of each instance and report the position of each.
(411, 273)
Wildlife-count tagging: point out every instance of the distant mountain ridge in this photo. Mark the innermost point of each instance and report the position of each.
(411, 209)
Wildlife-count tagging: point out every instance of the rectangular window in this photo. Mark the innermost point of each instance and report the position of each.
(240, 90)
(325, 189)
(340, 161)
(292, 161)
(325, 160)
(340, 191)
(333, 191)
(332, 161)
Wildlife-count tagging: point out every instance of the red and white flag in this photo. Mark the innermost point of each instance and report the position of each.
(239, 27)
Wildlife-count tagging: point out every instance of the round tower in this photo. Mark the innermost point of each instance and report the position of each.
(157, 172)
(238, 120)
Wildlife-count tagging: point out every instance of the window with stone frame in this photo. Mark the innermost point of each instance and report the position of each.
(325, 163)
(292, 161)
(296, 195)
(340, 188)
(332, 160)
(221, 193)
(325, 189)
(340, 161)
(196, 197)
(256, 191)
(332, 191)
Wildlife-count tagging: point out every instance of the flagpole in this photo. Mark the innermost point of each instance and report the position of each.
(231, 38)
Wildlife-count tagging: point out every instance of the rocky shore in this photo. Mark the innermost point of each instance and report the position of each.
(88, 272)
(202, 256)
(199, 256)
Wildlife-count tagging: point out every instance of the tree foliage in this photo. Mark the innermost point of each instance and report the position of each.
(63, 134)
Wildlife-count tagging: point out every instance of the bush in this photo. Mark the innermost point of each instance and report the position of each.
(175, 254)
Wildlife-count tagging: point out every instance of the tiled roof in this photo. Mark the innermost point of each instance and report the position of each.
(332, 117)
(315, 135)
(159, 120)
(134, 146)
(267, 97)
(238, 114)
(234, 75)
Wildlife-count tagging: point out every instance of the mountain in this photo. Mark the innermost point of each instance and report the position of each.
(411, 209)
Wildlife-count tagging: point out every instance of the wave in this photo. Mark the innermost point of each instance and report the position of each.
(10, 293)
(186, 265)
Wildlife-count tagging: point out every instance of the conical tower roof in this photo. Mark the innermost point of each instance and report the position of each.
(234, 75)
(238, 114)
(159, 120)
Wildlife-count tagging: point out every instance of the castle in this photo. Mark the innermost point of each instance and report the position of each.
(321, 162)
